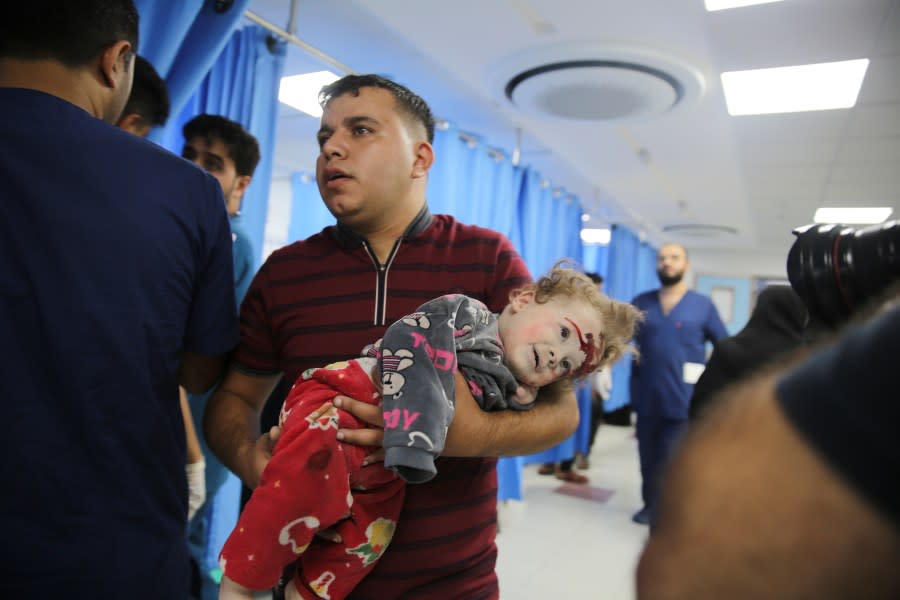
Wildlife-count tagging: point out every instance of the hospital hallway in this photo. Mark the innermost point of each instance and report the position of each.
(575, 542)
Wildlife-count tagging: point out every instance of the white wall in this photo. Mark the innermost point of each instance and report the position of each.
(739, 263)
(279, 216)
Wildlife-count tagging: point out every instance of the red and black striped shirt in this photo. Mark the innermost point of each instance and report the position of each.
(323, 299)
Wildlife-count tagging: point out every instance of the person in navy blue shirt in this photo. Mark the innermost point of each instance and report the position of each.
(677, 324)
(148, 107)
(112, 293)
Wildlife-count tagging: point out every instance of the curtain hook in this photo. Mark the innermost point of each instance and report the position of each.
(223, 6)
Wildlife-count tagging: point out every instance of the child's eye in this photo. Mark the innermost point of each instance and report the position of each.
(565, 364)
(564, 332)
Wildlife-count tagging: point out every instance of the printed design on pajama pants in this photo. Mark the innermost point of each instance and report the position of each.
(315, 482)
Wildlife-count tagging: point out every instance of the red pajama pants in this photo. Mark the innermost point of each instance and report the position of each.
(315, 482)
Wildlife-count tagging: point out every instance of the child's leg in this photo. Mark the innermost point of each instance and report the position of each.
(333, 570)
(229, 590)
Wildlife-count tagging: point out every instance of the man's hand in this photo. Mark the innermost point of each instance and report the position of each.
(371, 436)
(231, 424)
(257, 456)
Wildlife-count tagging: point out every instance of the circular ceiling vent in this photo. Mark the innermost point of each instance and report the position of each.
(596, 82)
(700, 230)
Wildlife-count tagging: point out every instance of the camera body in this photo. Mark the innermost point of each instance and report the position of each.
(837, 269)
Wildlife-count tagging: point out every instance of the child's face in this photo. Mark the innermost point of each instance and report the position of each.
(549, 341)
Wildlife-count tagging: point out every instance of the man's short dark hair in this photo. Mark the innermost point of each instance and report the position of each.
(73, 32)
(149, 97)
(243, 148)
(408, 101)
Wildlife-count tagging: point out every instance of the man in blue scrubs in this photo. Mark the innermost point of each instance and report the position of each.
(112, 293)
(677, 324)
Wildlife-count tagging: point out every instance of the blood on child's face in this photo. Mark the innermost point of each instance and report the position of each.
(547, 341)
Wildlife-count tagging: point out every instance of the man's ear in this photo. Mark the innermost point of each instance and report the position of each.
(115, 62)
(243, 181)
(133, 123)
(424, 160)
(519, 299)
(236, 198)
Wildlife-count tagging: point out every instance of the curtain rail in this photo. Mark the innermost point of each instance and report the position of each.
(290, 37)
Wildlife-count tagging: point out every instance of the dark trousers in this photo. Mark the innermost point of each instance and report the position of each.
(596, 418)
(657, 438)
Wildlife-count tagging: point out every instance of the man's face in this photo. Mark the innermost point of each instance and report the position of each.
(546, 342)
(212, 155)
(366, 162)
(671, 264)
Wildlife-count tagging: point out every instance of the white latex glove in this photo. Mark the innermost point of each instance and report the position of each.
(196, 478)
(602, 383)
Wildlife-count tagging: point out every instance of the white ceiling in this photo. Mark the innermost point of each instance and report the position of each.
(695, 164)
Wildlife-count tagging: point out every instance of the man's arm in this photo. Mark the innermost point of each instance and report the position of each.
(198, 372)
(231, 423)
(750, 510)
(475, 432)
(714, 329)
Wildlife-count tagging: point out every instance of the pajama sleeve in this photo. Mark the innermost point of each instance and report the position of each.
(418, 366)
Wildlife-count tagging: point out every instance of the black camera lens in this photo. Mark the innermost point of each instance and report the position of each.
(836, 269)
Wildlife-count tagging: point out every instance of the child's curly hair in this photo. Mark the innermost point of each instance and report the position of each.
(619, 319)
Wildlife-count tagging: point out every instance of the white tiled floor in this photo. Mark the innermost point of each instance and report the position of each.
(562, 547)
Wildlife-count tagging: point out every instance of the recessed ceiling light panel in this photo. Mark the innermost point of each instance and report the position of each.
(822, 86)
(302, 91)
(713, 5)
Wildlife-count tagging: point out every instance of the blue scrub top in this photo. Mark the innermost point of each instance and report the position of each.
(666, 343)
(115, 259)
(242, 253)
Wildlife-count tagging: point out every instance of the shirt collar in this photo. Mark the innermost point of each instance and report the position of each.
(350, 239)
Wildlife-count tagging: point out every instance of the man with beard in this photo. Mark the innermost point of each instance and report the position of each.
(677, 324)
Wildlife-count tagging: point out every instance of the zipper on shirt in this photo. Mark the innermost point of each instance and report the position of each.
(381, 279)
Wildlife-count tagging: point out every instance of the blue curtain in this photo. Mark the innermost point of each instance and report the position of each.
(632, 270)
(472, 183)
(308, 212)
(243, 86)
(646, 278)
(183, 38)
(509, 478)
(549, 227)
(595, 259)
(578, 441)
